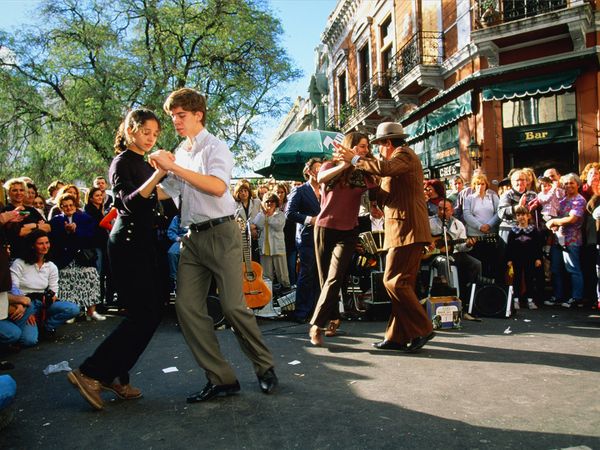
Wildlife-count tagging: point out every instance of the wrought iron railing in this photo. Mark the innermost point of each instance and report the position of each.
(494, 12)
(424, 48)
(375, 88)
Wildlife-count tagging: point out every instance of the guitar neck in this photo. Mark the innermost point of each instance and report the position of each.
(489, 237)
(246, 250)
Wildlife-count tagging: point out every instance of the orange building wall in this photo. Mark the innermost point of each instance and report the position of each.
(352, 67)
(587, 117)
(404, 28)
(538, 51)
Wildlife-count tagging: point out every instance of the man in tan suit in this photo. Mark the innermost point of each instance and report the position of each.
(406, 233)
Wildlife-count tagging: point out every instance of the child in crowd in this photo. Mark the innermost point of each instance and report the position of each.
(270, 222)
(549, 197)
(524, 255)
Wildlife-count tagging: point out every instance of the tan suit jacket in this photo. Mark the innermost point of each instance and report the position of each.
(405, 210)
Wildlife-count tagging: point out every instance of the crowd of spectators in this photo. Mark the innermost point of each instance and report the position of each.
(542, 232)
(538, 233)
(53, 254)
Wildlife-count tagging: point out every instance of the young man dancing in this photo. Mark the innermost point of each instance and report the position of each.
(200, 172)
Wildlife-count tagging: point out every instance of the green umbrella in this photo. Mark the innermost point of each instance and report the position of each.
(286, 158)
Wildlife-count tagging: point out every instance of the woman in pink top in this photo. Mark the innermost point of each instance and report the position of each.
(342, 186)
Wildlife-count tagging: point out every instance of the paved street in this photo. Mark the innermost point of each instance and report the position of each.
(480, 387)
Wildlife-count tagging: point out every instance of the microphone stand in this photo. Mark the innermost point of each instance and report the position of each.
(445, 233)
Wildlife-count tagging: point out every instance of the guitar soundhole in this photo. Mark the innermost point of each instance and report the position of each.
(250, 276)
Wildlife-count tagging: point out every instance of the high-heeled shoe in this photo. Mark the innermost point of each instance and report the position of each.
(332, 328)
(316, 336)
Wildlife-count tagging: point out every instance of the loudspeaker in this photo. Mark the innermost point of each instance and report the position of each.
(379, 293)
(491, 300)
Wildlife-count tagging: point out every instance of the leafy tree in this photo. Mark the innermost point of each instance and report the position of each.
(66, 83)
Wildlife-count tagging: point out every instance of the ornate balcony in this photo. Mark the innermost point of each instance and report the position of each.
(499, 25)
(371, 103)
(493, 12)
(417, 64)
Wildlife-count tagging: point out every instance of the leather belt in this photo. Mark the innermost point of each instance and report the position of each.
(210, 223)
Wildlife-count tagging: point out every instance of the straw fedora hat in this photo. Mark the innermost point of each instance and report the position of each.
(388, 130)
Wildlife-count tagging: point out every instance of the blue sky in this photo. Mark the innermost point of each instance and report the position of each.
(303, 22)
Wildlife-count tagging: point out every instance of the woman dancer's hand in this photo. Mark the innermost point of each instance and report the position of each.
(343, 153)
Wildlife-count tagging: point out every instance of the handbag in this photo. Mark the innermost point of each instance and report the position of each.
(85, 257)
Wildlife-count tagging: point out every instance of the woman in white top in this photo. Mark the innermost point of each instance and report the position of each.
(480, 214)
(38, 280)
(246, 209)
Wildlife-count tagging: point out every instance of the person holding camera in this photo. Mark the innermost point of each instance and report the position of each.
(37, 278)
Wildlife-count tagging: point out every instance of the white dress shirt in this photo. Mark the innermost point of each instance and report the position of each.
(207, 156)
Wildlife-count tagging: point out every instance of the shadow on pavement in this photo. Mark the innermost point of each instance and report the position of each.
(345, 395)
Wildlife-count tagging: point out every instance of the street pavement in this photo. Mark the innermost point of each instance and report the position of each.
(529, 382)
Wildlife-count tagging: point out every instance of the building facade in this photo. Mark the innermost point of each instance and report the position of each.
(491, 83)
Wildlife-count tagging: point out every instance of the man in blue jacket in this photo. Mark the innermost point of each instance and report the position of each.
(303, 207)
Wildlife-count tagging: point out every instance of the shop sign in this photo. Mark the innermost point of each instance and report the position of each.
(448, 171)
(444, 155)
(540, 134)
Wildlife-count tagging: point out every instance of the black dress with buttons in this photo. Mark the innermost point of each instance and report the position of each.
(132, 252)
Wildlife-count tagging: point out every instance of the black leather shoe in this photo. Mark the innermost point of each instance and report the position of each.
(417, 343)
(212, 390)
(389, 345)
(268, 381)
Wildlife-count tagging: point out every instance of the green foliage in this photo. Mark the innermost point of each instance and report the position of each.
(66, 83)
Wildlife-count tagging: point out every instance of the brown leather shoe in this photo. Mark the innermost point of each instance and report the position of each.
(88, 388)
(123, 391)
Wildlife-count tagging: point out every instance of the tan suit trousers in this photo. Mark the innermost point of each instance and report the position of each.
(408, 319)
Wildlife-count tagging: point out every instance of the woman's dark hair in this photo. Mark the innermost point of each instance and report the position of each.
(30, 256)
(34, 187)
(271, 197)
(437, 186)
(90, 194)
(351, 140)
(285, 187)
(134, 120)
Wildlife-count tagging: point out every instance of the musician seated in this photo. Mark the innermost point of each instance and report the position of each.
(469, 268)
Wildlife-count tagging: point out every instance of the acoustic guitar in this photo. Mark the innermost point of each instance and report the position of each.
(440, 245)
(256, 291)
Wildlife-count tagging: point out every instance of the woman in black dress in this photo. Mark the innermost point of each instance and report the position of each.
(132, 256)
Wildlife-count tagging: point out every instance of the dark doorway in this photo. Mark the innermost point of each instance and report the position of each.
(561, 156)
